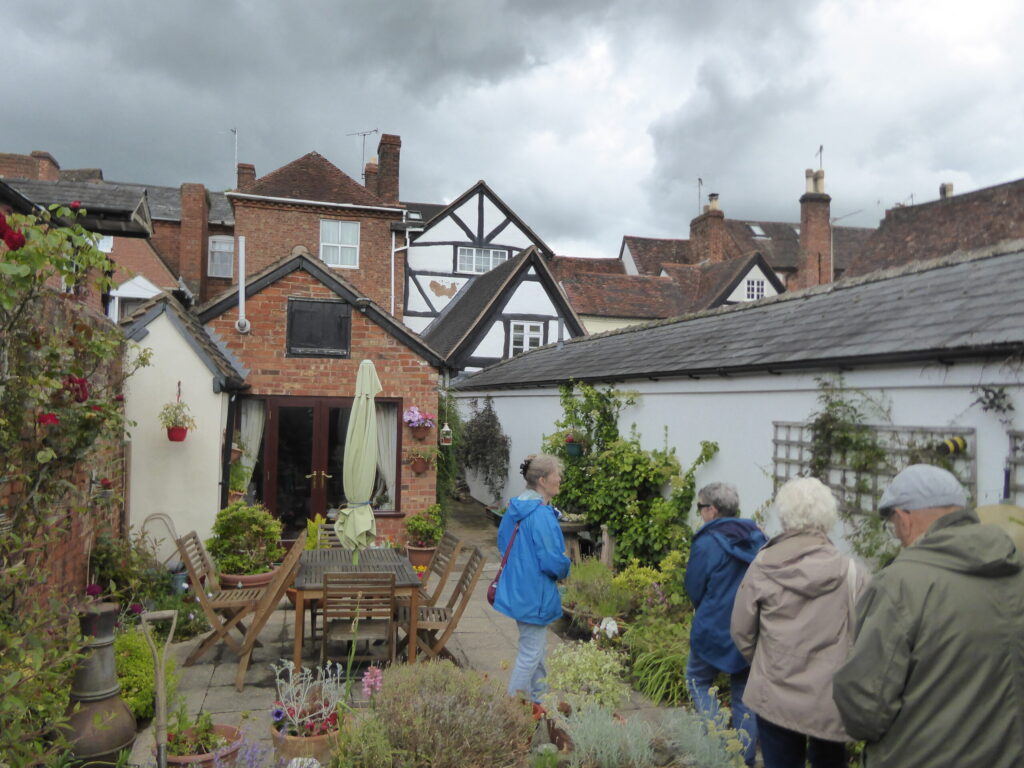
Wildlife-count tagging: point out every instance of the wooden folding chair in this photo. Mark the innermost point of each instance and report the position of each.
(366, 598)
(436, 623)
(329, 537)
(440, 567)
(267, 604)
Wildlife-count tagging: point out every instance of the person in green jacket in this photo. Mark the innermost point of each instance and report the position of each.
(936, 675)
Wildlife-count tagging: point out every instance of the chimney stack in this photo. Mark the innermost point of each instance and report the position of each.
(370, 176)
(707, 232)
(193, 236)
(47, 168)
(388, 154)
(814, 265)
(945, 191)
(246, 176)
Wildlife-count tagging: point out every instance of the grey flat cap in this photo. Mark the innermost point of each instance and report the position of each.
(921, 486)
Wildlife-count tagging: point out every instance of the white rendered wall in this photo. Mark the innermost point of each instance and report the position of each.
(179, 479)
(628, 263)
(595, 324)
(530, 298)
(431, 258)
(740, 292)
(737, 413)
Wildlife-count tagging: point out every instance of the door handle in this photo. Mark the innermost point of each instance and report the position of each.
(325, 476)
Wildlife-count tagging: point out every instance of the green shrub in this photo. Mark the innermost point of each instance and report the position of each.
(191, 619)
(446, 717)
(245, 539)
(591, 593)
(581, 673)
(134, 663)
(602, 741)
(660, 648)
(708, 744)
(365, 744)
(128, 570)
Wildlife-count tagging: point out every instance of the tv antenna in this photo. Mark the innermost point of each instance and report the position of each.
(364, 134)
(700, 187)
(820, 154)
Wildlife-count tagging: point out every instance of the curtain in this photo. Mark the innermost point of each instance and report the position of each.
(254, 416)
(387, 443)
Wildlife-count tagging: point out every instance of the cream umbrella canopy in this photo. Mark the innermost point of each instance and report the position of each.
(355, 525)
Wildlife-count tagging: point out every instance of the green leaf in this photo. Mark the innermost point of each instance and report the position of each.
(46, 455)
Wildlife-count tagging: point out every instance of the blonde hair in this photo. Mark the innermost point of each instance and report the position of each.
(538, 465)
(806, 503)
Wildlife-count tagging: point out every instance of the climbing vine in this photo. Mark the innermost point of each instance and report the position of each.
(484, 447)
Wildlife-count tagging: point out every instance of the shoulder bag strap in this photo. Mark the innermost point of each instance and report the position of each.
(507, 550)
(851, 585)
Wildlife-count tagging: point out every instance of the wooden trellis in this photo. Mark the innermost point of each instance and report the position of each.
(860, 492)
(1015, 469)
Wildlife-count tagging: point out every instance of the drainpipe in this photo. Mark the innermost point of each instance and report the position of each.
(394, 251)
(241, 324)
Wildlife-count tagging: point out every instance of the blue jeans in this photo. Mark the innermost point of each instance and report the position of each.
(700, 676)
(783, 748)
(528, 672)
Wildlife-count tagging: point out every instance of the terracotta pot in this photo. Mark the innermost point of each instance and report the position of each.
(176, 434)
(222, 758)
(237, 581)
(420, 555)
(419, 466)
(420, 433)
(288, 747)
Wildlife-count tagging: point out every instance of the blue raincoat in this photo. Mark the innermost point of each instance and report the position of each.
(526, 590)
(719, 555)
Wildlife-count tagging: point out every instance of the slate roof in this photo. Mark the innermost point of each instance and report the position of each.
(649, 253)
(229, 375)
(255, 283)
(314, 177)
(566, 267)
(970, 221)
(961, 306)
(626, 296)
(164, 202)
(427, 210)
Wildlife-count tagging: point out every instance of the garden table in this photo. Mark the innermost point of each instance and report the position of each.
(314, 563)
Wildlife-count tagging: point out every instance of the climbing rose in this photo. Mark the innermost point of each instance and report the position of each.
(75, 205)
(94, 590)
(107, 483)
(48, 418)
(13, 239)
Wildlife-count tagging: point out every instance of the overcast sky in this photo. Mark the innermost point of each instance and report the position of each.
(592, 119)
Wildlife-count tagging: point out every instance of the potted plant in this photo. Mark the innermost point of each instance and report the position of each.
(245, 545)
(418, 421)
(176, 418)
(420, 459)
(575, 442)
(424, 532)
(238, 481)
(310, 711)
(201, 743)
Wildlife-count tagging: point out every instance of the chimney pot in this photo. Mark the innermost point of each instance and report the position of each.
(713, 201)
(819, 182)
(945, 190)
(809, 180)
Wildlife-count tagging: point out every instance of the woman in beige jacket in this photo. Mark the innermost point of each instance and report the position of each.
(793, 620)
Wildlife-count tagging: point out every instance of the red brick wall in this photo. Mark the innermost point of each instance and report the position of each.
(403, 373)
(707, 236)
(192, 243)
(271, 232)
(815, 261)
(39, 165)
(166, 235)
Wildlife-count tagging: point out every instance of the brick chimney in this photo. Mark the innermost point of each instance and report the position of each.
(814, 263)
(388, 152)
(193, 237)
(707, 233)
(370, 176)
(39, 166)
(47, 169)
(246, 176)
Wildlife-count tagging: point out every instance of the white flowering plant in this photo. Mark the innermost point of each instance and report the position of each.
(309, 703)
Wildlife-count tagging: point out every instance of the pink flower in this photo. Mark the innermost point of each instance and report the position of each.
(373, 680)
(136, 608)
(94, 590)
(75, 205)
(119, 398)
(48, 418)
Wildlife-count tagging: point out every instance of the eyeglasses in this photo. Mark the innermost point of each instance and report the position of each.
(703, 506)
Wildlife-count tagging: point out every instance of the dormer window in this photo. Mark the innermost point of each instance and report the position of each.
(757, 231)
(755, 289)
(414, 216)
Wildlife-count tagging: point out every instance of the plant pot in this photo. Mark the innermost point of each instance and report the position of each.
(222, 758)
(239, 581)
(176, 434)
(575, 450)
(234, 496)
(419, 466)
(420, 433)
(288, 747)
(420, 555)
(559, 737)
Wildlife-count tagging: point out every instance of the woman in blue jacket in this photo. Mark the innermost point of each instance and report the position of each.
(526, 590)
(721, 551)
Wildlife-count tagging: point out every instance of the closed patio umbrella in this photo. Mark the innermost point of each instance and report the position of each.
(355, 525)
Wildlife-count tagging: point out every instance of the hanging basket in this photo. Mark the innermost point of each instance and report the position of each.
(177, 434)
(419, 466)
(420, 433)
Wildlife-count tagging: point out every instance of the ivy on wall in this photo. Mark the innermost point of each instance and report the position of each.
(484, 447)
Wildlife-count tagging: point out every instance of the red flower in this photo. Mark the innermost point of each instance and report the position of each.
(78, 387)
(107, 483)
(119, 398)
(48, 418)
(75, 205)
(96, 407)
(13, 239)
(94, 590)
(136, 608)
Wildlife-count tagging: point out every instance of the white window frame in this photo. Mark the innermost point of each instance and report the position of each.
(220, 245)
(476, 261)
(338, 249)
(530, 331)
(755, 289)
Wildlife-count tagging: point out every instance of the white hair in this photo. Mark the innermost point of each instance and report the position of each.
(806, 503)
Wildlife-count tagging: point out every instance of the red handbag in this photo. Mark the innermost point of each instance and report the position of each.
(492, 589)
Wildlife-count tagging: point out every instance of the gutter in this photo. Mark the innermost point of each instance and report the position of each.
(320, 203)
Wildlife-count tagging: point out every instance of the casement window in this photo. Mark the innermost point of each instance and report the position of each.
(319, 328)
(339, 243)
(221, 260)
(755, 289)
(480, 260)
(525, 336)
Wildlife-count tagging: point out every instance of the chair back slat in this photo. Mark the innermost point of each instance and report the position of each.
(467, 580)
(276, 588)
(329, 537)
(198, 562)
(441, 565)
(349, 596)
(435, 644)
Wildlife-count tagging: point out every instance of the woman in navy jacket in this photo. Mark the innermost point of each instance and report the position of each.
(527, 591)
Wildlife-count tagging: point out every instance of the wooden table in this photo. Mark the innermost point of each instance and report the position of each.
(309, 583)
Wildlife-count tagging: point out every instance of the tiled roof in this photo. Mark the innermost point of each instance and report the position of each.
(427, 210)
(965, 222)
(228, 374)
(639, 296)
(888, 317)
(314, 177)
(567, 267)
(649, 253)
(781, 245)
